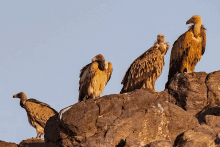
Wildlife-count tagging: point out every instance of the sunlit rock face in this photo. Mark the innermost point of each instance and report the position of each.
(185, 114)
(7, 144)
(133, 119)
(190, 90)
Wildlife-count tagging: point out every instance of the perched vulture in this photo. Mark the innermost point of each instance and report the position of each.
(93, 78)
(38, 113)
(147, 68)
(188, 49)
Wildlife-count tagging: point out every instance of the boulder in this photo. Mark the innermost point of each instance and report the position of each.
(131, 119)
(200, 136)
(213, 121)
(213, 85)
(190, 91)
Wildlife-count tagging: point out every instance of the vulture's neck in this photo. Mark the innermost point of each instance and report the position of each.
(162, 47)
(22, 102)
(103, 65)
(197, 29)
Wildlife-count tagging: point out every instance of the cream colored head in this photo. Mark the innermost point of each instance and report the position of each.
(160, 38)
(195, 19)
(20, 95)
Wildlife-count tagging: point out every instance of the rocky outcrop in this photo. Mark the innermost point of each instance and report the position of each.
(187, 114)
(132, 119)
(32, 142)
(7, 144)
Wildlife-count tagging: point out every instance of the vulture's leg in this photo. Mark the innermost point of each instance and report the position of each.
(38, 135)
(39, 129)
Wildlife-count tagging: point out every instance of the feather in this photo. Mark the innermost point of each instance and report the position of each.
(38, 112)
(186, 52)
(94, 77)
(142, 69)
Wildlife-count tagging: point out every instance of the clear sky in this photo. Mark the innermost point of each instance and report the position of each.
(44, 44)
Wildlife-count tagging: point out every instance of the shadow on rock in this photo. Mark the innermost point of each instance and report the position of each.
(32, 142)
(207, 111)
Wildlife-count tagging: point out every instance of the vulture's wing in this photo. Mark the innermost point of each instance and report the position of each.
(86, 75)
(181, 47)
(39, 111)
(84, 69)
(109, 71)
(149, 63)
(203, 34)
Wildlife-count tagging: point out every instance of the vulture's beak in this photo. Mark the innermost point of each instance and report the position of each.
(189, 21)
(15, 96)
(93, 59)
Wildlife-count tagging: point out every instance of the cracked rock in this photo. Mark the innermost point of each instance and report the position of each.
(131, 119)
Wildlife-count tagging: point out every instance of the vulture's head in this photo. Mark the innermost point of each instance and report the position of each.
(195, 19)
(98, 57)
(20, 95)
(103, 65)
(160, 38)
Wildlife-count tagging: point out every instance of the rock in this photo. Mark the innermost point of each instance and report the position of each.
(130, 119)
(32, 142)
(213, 85)
(200, 136)
(160, 143)
(213, 121)
(7, 144)
(51, 131)
(190, 91)
(55, 130)
(211, 109)
(186, 114)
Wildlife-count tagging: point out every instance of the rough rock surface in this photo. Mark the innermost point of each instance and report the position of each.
(187, 114)
(209, 110)
(131, 119)
(213, 85)
(190, 91)
(7, 144)
(32, 142)
(160, 143)
(200, 136)
(213, 121)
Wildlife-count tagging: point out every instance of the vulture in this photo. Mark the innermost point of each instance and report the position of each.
(187, 49)
(146, 69)
(94, 77)
(38, 112)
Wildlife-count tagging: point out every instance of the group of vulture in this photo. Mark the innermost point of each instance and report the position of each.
(142, 73)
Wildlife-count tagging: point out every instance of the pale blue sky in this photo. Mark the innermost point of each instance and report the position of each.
(44, 44)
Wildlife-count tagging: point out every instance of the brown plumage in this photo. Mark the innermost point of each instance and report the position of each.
(146, 69)
(38, 112)
(188, 49)
(93, 77)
